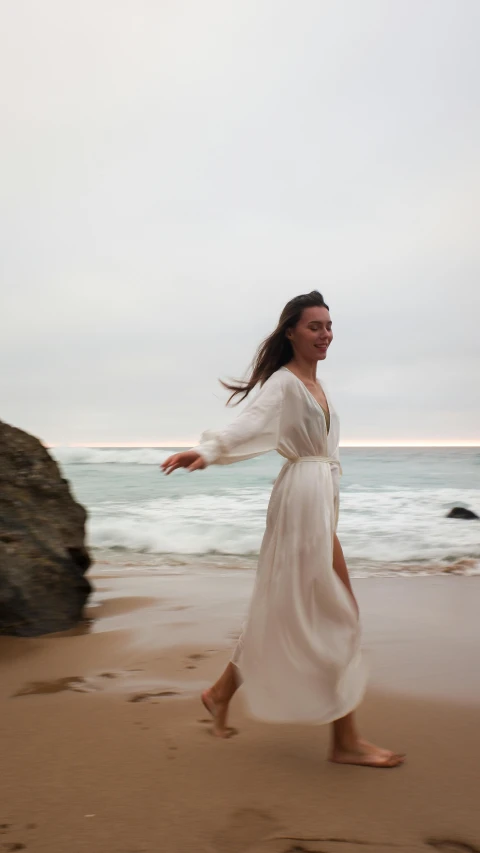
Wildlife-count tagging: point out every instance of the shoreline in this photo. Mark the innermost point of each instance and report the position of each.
(121, 559)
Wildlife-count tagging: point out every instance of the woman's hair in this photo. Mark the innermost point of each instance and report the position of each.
(276, 350)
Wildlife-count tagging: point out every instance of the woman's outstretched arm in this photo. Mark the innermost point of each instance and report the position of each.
(253, 432)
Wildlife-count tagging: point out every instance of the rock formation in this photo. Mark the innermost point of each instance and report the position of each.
(43, 558)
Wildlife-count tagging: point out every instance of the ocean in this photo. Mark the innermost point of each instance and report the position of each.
(392, 509)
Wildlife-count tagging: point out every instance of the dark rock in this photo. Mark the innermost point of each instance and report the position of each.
(461, 512)
(43, 557)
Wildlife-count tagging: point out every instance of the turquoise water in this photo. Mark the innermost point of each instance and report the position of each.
(392, 517)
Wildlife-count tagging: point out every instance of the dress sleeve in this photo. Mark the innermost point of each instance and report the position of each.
(253, 432)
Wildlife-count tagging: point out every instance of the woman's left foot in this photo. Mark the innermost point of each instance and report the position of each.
(219, 710)
(366, 754)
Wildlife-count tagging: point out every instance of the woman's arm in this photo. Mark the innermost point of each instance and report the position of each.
(253, 432)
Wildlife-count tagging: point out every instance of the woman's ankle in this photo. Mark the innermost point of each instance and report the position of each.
(345, 744)
(345, 736)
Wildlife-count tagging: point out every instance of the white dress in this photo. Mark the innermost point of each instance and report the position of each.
(299, 653)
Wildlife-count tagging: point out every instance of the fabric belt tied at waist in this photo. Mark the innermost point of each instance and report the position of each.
(329, 460)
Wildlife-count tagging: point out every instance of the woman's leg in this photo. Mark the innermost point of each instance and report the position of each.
(349, 748)
(217, 699)
(340, 567)
(347, 745)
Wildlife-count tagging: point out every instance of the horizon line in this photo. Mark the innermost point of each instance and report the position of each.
(347, 444)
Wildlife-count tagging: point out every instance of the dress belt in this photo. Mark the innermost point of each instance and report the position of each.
(329, 460)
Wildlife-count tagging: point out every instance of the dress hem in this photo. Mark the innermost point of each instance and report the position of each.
(314, 721)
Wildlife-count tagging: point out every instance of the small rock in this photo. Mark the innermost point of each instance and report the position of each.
(461, 512)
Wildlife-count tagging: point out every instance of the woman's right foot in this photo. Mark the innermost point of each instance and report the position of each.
(366, 754)
(218, 708)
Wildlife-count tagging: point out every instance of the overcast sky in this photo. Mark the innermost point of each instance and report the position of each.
(174, 171)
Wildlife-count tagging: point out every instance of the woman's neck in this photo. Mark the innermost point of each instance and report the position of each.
(304, 369)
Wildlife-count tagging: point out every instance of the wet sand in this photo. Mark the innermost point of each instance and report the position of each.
(106, 747)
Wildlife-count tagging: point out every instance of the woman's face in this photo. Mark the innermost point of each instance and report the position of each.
(312, 335)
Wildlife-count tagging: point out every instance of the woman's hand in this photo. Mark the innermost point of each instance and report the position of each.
(189, 459)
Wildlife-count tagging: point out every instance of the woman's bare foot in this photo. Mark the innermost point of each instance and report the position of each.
(218, 708)
(217, 699)
(366, 755)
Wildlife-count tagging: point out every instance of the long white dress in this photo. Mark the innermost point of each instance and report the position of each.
(299, 653)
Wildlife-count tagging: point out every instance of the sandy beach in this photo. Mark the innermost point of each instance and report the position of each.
(106, 747)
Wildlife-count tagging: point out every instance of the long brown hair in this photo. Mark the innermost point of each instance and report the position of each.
(276, 350)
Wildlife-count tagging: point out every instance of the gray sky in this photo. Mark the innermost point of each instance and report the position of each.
(173, 172)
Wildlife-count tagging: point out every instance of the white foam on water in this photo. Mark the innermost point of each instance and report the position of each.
(377, 527)
(408, 525)
(214, 524)
(110, 455)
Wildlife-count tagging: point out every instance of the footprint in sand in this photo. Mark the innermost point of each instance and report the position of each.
(277, 844)
(12, 846)
(243, 829)
(35, 688)
(73, 683)
(230, 730)
(172, 749)
(145, 697)
(447, 846)
(330, 845)
(285, 844)
(254, 831)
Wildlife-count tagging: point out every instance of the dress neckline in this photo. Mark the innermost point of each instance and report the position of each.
(326, 413)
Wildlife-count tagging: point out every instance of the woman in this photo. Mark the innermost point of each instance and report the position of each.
(299, 653)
